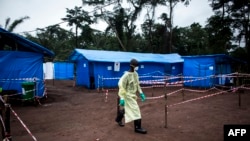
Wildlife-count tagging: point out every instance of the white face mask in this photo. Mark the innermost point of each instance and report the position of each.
(136, 68)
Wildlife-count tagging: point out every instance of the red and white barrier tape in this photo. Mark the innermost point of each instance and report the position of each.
(146, 87)
(156, 97)
(162, 96)
(175, 92)
(199, 98)
(176, 85)
(9, 95)
(33, 137)
(179, 91)
(161, 81)
(243, 87)
(3, 125)
(151, 82)
(200, 91)
(110, 78)
(20, 79)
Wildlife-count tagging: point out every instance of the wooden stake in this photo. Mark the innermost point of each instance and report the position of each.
(239, 92)
(166, 116)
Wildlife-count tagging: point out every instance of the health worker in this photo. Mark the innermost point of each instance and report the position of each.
(128, 88)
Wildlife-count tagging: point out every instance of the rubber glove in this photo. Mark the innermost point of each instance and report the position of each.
(143, 97)
(121, 102)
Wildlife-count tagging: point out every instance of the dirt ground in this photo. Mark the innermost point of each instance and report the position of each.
(77, 114)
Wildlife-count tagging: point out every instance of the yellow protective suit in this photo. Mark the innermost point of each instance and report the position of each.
(128, 87)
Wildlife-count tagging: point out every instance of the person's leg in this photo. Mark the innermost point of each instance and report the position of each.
(138, 129)
(119, 117)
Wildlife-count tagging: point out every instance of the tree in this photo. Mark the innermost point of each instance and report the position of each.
(239, 14)
(167, 34)
(11, 26)
(180, 40)
(155, 36)
(172, 4)
(220, 35)
(122, 20)
(57, 39)
(79, 18)
(116, 22)
(191, 40)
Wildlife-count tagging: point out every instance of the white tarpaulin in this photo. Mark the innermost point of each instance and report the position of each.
(48, 69)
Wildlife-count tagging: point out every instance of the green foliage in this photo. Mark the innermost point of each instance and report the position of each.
(192, 40)
(11, 26)
(216, 37)
(220, 35)
(59, 40)
(236, 15)
(80, 18)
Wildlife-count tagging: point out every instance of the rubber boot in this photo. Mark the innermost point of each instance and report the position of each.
(138, 128)
(119, 117)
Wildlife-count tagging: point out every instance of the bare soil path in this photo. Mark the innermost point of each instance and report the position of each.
(77, 114)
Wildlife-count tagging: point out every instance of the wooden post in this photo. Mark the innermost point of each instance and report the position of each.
(7, 122)
(153, 90)
(98, 83)
(35, 92)
(53, 81)
(106, 95)
(237, 81)
(237, 84)
(239, 92)
(182, 91)
(2, 126)
(166, 116)
(166, 109)
(165, 86)
(102, 84)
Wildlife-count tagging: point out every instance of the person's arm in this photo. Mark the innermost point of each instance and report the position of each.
(138, 84)
(142, 95)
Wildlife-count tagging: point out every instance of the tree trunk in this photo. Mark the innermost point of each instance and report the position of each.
(76, 36)
(171, 23)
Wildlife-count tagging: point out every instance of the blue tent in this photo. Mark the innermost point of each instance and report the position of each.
(63, 71)
(204, 70)
(91, 65)
(21, 60)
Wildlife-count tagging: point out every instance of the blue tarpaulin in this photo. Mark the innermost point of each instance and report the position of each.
(110, 65)
(21, 60)
(63, 71)
(203, 70)
(19, 67)
(123, 57)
